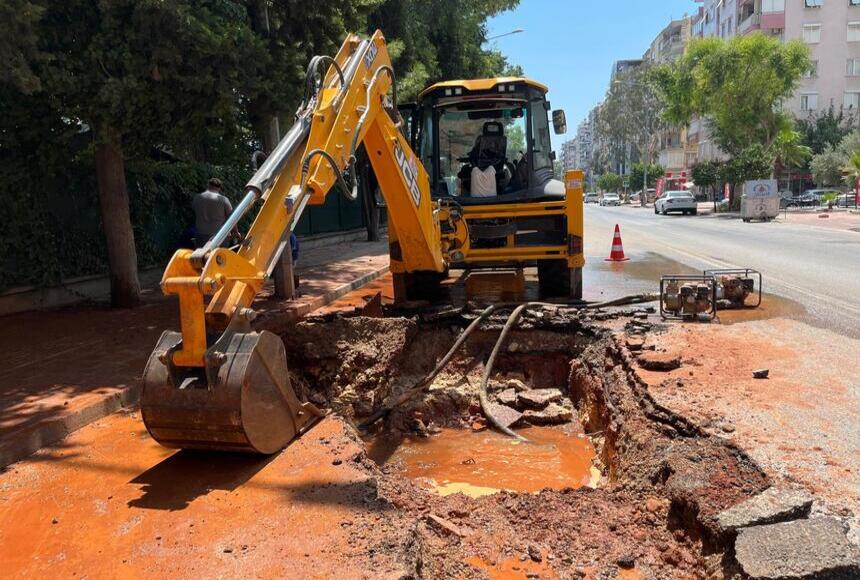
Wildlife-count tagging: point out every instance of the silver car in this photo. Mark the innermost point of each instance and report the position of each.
(680, 201)
(610, 199)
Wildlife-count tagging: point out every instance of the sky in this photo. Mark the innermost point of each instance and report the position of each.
(570, 45)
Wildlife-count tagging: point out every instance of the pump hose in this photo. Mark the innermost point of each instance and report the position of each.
(425, 382)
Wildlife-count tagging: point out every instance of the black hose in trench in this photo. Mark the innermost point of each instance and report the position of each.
(422, 385)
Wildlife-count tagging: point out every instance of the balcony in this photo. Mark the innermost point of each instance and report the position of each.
(751, 23)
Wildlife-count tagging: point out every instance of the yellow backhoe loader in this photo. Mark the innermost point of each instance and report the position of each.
(479, 193)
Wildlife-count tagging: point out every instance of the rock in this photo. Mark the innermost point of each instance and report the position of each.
(444, 526)
(772, 506)
(554, 414)
(640, 315)
(760, 373)
(659, 361)
(626, 561)
(635, 342)
(653, 505)
(816, 548)
(516, 384)
(538, 398)
(507, 397)
(504, 414)
(534, 553)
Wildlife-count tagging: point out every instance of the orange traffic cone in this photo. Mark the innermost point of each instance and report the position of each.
(617, 253)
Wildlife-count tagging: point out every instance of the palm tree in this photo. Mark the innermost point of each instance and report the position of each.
(852, 170)
(789, 150)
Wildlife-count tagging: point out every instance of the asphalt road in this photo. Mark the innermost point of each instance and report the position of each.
(815, 270)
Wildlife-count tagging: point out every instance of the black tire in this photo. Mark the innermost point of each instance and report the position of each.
(655, 210)
(694, 212)
(664, 212)
(554, 279)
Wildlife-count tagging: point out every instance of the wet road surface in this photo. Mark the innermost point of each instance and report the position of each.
(815, 269)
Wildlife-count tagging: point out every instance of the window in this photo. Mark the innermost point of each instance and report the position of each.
(774, 5)
(809, 102)
(853, 67)
(852, 100)
(854, 32)
(540, 135)
(814, 3)
(813, 70)
(854, 2)
(812, 33)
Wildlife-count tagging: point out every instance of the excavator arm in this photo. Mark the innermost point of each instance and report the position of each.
(219, 385)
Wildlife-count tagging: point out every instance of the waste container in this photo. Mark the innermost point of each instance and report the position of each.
(760, 200)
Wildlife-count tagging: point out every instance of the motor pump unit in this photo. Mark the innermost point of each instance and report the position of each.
(734, 287)
(687, 297)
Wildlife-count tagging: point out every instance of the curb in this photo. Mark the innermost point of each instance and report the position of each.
(46, 432)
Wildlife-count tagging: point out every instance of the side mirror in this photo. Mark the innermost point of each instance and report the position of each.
(559, 122)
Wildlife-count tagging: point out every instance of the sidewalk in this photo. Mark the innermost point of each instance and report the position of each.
(63, 369)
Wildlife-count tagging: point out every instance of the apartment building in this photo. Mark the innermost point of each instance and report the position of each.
(831, 28)
(667, 47)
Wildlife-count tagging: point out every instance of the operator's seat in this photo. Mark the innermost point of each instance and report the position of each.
(490, 147)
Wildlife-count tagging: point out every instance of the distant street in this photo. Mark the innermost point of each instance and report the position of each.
(815, 267)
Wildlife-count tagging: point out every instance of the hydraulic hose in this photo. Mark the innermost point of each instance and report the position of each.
(425, 382)
(421, 385)
(488, 369)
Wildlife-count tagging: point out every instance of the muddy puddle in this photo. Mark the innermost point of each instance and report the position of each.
(479, 463)
(772, 306)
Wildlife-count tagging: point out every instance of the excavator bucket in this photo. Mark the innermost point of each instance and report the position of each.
(247, 404)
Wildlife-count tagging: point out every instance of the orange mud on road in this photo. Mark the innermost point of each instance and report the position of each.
(800, 424)
(110, 502)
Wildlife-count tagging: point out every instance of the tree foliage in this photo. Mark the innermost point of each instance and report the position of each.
(706, 173)
(825, 128)
(610, 182)
(736, 85)
(829, 166)
(632, 113)
(655, 171)
(433, 40)
(754, 162)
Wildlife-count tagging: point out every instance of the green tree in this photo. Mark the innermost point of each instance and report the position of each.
(706, 174)
(737, 85)
(655, 171)
(631, 114)
(825, 128)
(433, 40)
(852, 170)
(610, 182)
(136, 74)
(827, 167)
(750, 163)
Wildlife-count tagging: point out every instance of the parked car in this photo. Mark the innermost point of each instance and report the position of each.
(637, 196)
(610, 199)
(680, 201)
(806, 199)
(820, 194)
(591, 197)
(846, 200)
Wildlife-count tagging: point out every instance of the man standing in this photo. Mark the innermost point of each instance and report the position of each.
(211, 210)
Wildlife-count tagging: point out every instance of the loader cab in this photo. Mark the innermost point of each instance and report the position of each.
(487, 141)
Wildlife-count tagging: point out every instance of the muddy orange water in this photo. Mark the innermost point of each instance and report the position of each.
(485, 462)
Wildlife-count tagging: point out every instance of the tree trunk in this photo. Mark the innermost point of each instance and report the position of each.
(266, 124)
(116, 220)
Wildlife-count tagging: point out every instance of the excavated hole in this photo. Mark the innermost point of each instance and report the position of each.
(657, 475)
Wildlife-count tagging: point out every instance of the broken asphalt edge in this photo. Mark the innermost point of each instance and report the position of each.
(23, 443)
